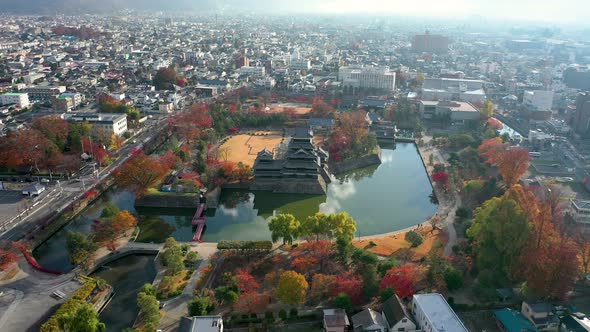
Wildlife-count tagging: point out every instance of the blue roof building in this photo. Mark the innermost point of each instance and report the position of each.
(513, 321)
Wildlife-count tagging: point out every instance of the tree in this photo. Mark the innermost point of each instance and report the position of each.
(386, 294)
(292, 288)
(513, 163)
(149, 310)
(349, 284)
(402, 279)
(252, 302)
(140, 173)
(453, 279)
(246, 281)
(164, 78)
(343, 301)
(499, 232)
(80, 247)
(54, 128)
(109, 210)
(343, 250)
(491, 150)
(321, 285)
(84, 319)
(584, 253)
(441, 178)
(125, 220)
(200, 306)
(284, 226)
(7, 258)
(228, 294)
(487, 109)
(414, 238)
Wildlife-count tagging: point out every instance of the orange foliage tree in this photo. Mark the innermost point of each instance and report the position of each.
(252, 302)
(402, 279)
(321, 284)
(246, 282)
(140, 173)
(512, 162)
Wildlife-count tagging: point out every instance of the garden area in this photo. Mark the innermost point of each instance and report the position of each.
(245, 147)
(179, 262)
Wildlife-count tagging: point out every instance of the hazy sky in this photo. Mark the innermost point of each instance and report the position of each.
(562, 11)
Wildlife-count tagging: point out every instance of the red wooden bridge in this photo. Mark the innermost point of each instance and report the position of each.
(200, 221)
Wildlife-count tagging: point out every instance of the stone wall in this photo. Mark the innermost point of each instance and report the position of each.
(292, 186)
(352, 164)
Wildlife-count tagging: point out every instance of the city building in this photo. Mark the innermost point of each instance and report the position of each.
(581, 210)
(113, 123)
(582, 115)
(335, 320)
(201, 324)
(300, 64)
(32, 78)
(166, 107)
(367, 77)
(44, 92)
(457, 111)
(430, 43)
(434, 314)
(538, 100)
(369, 320)
(453, 89)
(253, 71)
(577, 79)
(66, 102)
(21, 100)
(301, 167)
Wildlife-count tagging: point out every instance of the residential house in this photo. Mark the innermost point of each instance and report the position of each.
(509, 320)
(369, 320)
(576, 322)
(335, 320)
(397, 315)
(540, 314)
(201, 324)
(34, 189)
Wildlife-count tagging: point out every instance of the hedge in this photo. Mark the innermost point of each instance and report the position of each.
(70, 306)
(244, 245)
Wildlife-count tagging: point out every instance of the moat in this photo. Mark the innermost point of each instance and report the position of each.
(383, 198)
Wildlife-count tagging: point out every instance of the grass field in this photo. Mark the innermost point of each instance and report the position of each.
(244, 147)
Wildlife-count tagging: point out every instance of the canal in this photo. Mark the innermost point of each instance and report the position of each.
(127, 275)
(384, 198)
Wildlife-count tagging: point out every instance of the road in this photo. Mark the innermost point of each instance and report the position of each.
(73, 190)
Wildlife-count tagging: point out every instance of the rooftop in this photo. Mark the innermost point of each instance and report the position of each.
(514, 321)
(439, 313)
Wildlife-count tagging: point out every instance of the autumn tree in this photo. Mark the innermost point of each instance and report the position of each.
(191, 123)
(513, 163)
(246, 282)
(487, 110)
(252, 302)
(402, 279)
(7, 258)
(80, 247)
(583, 253)
(320, 108)
(292, 288)
(53, 128)
(321, 286)
(125, 220)
(441, 178)
(284, 226)
(349, 284)
(164, 78)
(491, 149)
(140, 173)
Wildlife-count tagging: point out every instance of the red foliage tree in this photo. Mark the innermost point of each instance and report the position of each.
(321, 109)
(140, 173)
(349, 284)
(246, 282)
(513, 163)
(191, 123)
(402, 279)
(491, 150)
(494, 124)
(252, 302)
(441, 178)
(169, 159)
(7, 258)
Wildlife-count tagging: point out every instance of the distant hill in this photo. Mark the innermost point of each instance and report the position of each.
(50, 7)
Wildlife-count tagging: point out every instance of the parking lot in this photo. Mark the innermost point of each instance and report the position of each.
(12, 202)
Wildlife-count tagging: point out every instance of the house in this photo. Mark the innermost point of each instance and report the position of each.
(34, 189)
(397, 315)
(335, 320)
(540, 314)
(509, 320)
(369, 320)
(434, 314)
(201, 324)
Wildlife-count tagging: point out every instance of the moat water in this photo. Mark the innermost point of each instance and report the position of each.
(384, 198)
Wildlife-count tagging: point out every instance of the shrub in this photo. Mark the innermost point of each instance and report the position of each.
(69, 307)
(453, 279)
(269, 316)
(283, 314)
(293, 313)
(414, 238)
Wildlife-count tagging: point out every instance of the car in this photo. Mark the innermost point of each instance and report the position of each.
(44, 180)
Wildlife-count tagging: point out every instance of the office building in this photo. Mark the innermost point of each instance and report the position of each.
(538, 100)
(582, 116)
(300, 64)
(21, 100)
(381, 78)
(44, 92)
(201, 324)
(454, 89)
(113, 123)
(458, 111)
(253, 71)
(66, 102)
(430, 43)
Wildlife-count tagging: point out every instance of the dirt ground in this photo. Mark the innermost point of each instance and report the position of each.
(388, 245)
(245, 147)
(300, 109)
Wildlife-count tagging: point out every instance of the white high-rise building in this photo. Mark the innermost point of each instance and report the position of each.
(540, 100)
(367, 77)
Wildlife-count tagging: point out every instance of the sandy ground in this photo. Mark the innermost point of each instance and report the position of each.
(244, 147)
(388, 245)
(299, 108)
